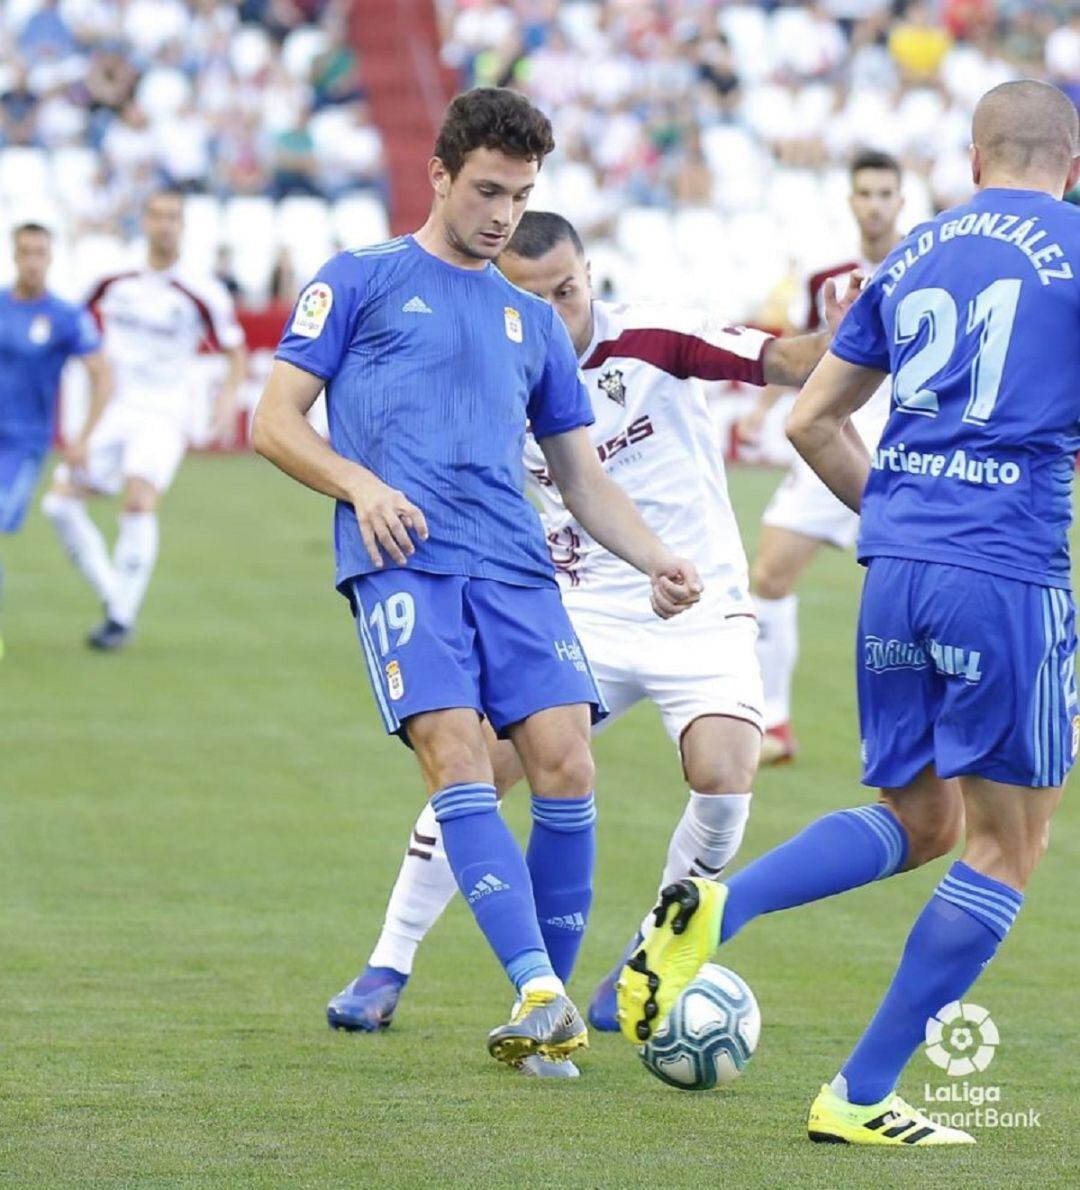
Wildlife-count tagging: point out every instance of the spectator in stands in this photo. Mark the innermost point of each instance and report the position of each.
(295, 169)
(18, 111)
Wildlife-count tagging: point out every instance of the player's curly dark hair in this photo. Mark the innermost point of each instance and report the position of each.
(492, 118)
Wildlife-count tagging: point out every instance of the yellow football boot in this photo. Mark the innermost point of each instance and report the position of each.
(685, 933)
(891, 1122)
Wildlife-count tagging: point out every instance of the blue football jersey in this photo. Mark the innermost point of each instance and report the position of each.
(432, 373)
(36, 339)
(977, 316)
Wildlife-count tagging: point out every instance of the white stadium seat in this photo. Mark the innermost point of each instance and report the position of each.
(359, 220)
(24, 172)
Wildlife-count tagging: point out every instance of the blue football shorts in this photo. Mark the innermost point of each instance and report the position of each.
(20, 467)
(435, 641)
(970, 672)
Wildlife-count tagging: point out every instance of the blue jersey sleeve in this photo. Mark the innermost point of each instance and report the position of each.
(559, 402)
(85, 336)
(862, 339)
(320, 330)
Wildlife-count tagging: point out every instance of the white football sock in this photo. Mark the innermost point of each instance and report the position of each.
(82, 540)
(777, 650)
(422, 891)
(707, 837)
(133, 563)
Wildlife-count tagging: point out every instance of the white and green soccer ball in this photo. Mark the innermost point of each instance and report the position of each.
(709, 1035)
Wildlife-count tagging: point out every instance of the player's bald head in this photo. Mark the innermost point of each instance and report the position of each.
(1026, 129)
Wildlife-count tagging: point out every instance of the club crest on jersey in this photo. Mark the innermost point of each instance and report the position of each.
(611, 384)
(515, 332)
(40, 329)
(312, 310)
(395, 683)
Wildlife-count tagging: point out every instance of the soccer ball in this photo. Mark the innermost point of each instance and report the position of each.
(709, 1035)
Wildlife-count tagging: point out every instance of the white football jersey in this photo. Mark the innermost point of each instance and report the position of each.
(656, 438)
(154, 323)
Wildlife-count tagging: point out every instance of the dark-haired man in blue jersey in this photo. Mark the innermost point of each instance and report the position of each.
(966, 641)
(433, 365)
(39, 333)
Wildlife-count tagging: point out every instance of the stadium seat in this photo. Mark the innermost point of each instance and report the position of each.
(73, 171)
(358, 220)
(24, 172)
(645, 232)
(304, 229)
(300, 49)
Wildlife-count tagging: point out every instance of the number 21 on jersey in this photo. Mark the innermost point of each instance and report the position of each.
(991, 313)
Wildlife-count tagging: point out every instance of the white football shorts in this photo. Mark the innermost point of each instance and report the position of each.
(803, 504)
(130, 442)
(702, 662)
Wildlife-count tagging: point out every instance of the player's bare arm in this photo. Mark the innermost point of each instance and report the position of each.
(281, 433)
(100, 376)
(820, 426)
(789, 362)
(608, 514)
(224, 416)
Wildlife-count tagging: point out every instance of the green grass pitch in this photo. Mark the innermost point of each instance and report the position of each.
(196, 841)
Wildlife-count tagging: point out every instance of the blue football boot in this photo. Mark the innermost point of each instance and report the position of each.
(603, 1007)
(368, 1003)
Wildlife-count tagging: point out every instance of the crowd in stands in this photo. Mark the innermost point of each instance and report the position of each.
(632, 84)
(743, 108)
(218, 97)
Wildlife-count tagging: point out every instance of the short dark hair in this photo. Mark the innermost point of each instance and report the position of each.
(540, 231)
(876, 159)
(164, 192)
(37, 229)
(492, 118)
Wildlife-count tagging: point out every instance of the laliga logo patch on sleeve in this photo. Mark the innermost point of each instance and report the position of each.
(512, 320)
(312, 310)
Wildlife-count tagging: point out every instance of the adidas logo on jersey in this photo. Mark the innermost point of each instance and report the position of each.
(485, 886)
(416, 305)
(574, 922)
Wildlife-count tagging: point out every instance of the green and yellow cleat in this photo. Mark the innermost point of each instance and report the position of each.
(834, 1121)
(685, 934)
(544, 1023)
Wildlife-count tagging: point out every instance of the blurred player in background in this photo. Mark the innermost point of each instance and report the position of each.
(155, 322)
(39, 333)
(966, 638)
(803, 515)
(433, 365)
(643, 366)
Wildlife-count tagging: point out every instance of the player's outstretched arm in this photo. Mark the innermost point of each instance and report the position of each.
(820, 428)
(790, 361)
(608, 514)
(281, 433)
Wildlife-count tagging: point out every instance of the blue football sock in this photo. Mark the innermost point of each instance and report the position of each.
(491, 873)
(561, 858)
(843, 850)
(954, 937)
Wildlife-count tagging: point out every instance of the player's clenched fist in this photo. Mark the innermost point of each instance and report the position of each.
(386, 517)
(676, 585)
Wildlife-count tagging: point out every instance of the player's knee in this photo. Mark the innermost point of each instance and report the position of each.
(141, 499)
(457, 764)
(933, 830)
(569, 772)
(768, 581)
(56, 503)
(728, 773)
